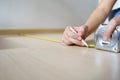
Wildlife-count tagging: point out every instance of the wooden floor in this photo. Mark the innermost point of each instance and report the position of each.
(23, 58)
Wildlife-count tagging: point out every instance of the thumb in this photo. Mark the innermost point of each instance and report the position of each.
(109, 29)
(82, 31)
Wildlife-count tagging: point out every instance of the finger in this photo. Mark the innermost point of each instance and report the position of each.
(76, 42)
(67, 35)
(72, 33)
(75, 29)
(109, 29)
(69, 40)
(66, 41)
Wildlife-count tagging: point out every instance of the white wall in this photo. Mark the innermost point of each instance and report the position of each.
(44, 13)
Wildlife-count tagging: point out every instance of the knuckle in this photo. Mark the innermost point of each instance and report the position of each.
(75, 36)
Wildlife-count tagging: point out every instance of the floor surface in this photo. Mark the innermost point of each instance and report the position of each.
(23, 58)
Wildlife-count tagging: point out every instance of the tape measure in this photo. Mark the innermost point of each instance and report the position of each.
(90, 45)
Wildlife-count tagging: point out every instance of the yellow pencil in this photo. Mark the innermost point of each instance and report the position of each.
(83, 41)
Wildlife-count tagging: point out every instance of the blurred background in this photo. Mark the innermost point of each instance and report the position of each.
(44, 14)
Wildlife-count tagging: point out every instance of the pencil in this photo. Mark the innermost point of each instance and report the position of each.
(83, 41)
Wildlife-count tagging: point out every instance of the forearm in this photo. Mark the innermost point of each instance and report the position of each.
(99, 15)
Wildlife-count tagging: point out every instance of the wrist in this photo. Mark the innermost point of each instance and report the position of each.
(85, 27)
(87, 30)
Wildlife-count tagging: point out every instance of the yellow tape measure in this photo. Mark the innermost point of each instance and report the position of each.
(51, 40)
(41, 38)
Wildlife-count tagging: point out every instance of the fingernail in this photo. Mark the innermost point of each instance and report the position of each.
(105, 38)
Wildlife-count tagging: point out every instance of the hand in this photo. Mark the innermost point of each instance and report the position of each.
(70, 38)
(111, 27)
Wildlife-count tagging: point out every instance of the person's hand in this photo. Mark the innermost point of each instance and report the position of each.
(111, 27)
(69, 37)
